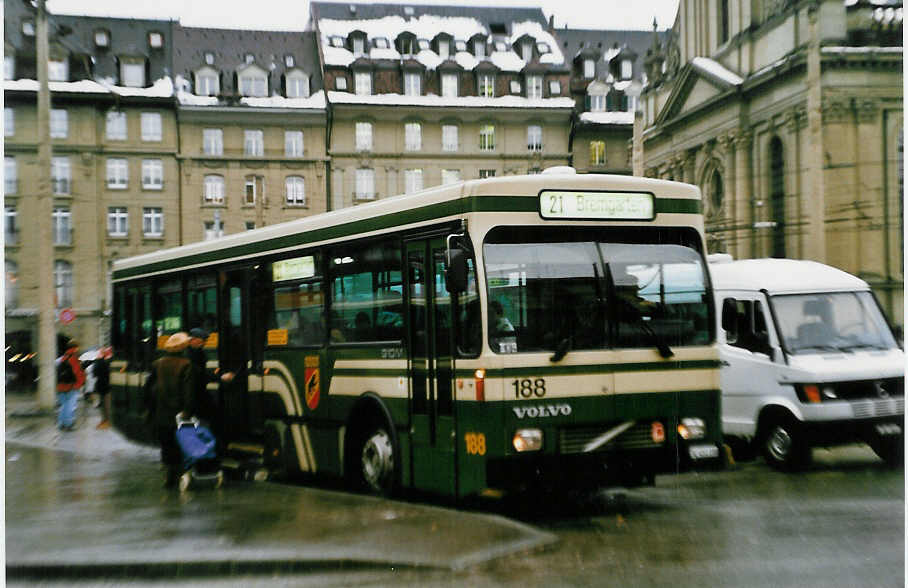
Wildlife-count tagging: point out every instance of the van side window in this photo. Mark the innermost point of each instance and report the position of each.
(753, 334)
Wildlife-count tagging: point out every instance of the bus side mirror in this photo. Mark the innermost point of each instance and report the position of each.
(456, 274)
(730, 318)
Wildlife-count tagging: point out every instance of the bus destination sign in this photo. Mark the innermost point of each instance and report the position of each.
(596, 205)
(293, 269)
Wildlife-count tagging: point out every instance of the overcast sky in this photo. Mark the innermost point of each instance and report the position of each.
(293, 14)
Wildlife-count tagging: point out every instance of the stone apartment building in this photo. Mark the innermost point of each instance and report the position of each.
(789, 115)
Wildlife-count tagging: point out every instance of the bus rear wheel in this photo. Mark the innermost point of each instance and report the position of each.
(376, 462)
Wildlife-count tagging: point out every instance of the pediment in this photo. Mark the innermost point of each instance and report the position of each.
(693, 89)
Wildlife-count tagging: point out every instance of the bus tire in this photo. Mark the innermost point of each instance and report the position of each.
(374, 462)
(784, 443)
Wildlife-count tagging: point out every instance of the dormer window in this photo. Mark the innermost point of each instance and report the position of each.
(207, 82)
(102, 39)
(340, 83)
(253, 81)
(408, 10)
(362, 83)
(534, 87)
(627, 69)
(336, 41)
(589, 68)
(155, 40)
(58, 70)
(132, 72)
(412, 84)
(555, 88)
(289, 61)
(209, 58)
(406, 44)
(297, 84)
(543, 48)
(423, 44)
(460, 46)
(526, 51)
(515, 87)
(359, 46)
(479, 48)
(501, 46)
(249, 58)
(444, 49)
(28, 28)
(486, 85)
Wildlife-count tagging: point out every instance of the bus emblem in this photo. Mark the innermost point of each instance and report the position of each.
(312, 383)
(542, 410)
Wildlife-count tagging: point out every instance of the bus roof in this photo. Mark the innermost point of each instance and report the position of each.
(438, 204)
(782, 276)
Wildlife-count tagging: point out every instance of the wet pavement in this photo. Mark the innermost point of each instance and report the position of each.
(90, 503)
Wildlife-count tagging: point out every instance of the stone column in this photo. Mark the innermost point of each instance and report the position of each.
(637, 157)
(727, 153)
(815, 225)
(745, 237)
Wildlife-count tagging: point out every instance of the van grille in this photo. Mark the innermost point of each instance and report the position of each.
(639, 436)
(881, 407)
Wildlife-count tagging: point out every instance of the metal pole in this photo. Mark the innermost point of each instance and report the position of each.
(47, 340)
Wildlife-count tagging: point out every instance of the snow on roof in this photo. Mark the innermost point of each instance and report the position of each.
(316, 100)
(461, 101)
(425, 26)
(162, 88)
(535, 30)
(864, 50)
(716, 69)
(466, 60)
(507, 60)
(608, 118)
(780, 276)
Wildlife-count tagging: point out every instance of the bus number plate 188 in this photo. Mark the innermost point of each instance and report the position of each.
(527, 388)
(476, 443)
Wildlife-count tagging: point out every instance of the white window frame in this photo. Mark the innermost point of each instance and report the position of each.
(213, 189)
(57, 70)
(412, 181)
(295, 191)
(479, 49)
(152, 126)
(10, 225)
(213, 142)
(155, 40)
(152, 221)
(444, 49)
(555, 88)
(450, 140)
(412, 136)
(627, 69)
(297, 85)
(117, 173)
(534, 87)
(152, 174)
(486, 86)
(597, 155)
(63, 283)
(412, 83)
(60, 175)
(207, 83)
(359, 46)
(253, 84)
(213, 231)
(62, 225)
(10, 175)
(597, 103)
(526, 51)
(253, 143)
(450, 176)
(117, 221)
(534, 137)
(59, 123)
(515, 86)
(115, 126)
(589, 68)
(449, 85)
(293, 144)
(340, 83)
(250, 192)
(365, 184)
(9, 121)
(362, 83)
(363, 136)
(132, 74)
(487, 173)
(487, 138)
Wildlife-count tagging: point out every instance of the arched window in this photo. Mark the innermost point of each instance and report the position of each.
(63, 283)
(777, 195)
(11, 283)
(716, 192)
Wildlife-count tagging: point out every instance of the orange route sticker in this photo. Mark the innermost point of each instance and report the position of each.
(312, 383)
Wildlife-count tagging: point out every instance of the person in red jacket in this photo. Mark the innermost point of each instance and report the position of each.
(69, 386)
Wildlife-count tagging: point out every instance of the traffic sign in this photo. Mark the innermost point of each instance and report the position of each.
(67, 315)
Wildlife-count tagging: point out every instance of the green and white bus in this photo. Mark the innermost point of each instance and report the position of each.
(494, 335)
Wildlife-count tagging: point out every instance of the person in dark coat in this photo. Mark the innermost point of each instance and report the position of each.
(207, 402)
(102, 385)
(174, 393)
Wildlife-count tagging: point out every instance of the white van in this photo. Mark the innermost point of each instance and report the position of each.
(807, 359)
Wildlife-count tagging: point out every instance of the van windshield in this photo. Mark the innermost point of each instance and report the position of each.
(834, 321)
(580, 288)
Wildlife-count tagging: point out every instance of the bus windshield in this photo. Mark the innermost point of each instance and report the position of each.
(595, 288)
(832, 321)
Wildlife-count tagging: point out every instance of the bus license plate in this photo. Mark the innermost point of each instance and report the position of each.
(703, 451)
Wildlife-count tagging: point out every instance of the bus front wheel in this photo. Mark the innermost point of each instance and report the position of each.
(376, 462)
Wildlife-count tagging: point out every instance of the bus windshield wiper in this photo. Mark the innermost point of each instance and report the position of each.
(664, 350)
(853, 346)
(561, 350)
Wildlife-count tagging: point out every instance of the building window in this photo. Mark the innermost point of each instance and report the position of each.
(289, 61)
(365, 184)
(449, 85)
(249, 191)
(534, 138)
(10, 225)
(117, 221)
(449, 140)
(61, 226)
(60, 175)
(359, 45)
(152, 222)
(116, 125)
(11, 284)
(597, 152)
(412, 84)
(152, 174)
(515, 86)
(58, 71)
(627, 69)
(295, 191)
(363, 136)
(10, 175)
(155, 40)
(555, 88)
(151, 126)
(723, 21)
(102, 38)
(250, 225)
(213, 230)
(117, 173)
(534, 87)
(213, 141)
(207, 83)
(253, 143)
(450, 176)
(460, 46)
(293, 143)
(209, 58)
(132, 74)
(340, 83)
(297, 85)
(9, 122)
(214, 190)
(249, 58)
(486, 85)
(412, 180)
(526, 51)
(598, 103)
(28, 28)
(479, 49)
(444, 50)
(534, 171)
(487, 138)
(253, 84)
(59, 123)
(362, 82)
(412, 136)
(9, 67)
(589, 68)
(486, 173)
(63, 283)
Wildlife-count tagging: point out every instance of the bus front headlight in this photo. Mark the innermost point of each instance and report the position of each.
(528, 440)
(692, 428)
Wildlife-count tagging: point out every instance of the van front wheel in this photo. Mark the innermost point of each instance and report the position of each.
(784, 444)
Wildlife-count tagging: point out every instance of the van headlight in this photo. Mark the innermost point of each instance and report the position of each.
(692, 428)
(527, 440)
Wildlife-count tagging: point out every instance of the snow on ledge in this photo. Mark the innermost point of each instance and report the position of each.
(716, 69)
(461, 101)
(608, 118)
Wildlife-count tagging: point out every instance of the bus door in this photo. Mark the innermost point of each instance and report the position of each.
(242, 409)
(431, 369)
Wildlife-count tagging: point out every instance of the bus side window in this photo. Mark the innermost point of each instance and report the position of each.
(366, 293)
(469, 318)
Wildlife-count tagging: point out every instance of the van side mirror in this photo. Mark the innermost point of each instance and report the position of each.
(730, 318)
(456, 273)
